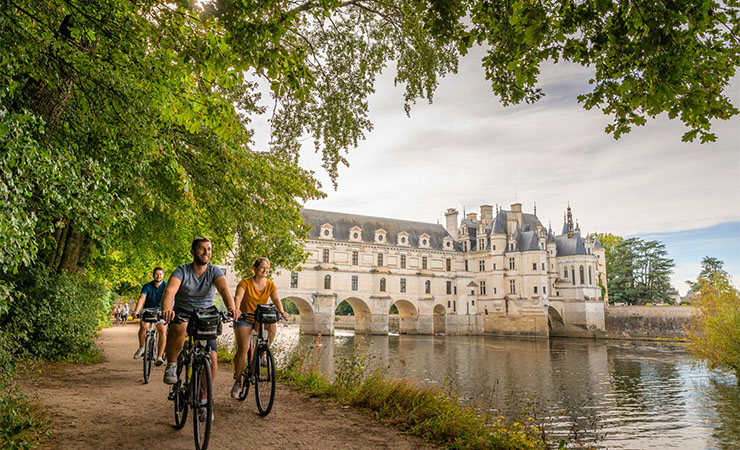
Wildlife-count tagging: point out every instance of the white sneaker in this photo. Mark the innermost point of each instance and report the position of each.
(202, 415)
(235, 389)
(170, 374)
(159, 362)
(139, 353)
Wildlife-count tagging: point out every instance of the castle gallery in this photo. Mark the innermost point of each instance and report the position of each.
(498, 272)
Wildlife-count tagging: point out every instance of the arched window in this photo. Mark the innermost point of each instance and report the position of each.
(382, 285)
(580, 270)
(573, 274)
(327, 282)
(590, 277)
(427, 287)
(565, 273)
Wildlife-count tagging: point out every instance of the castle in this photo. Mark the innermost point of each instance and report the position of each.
(501, 273)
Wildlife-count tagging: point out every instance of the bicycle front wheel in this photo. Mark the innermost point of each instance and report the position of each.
(202, 391)
(148, 358)
(246, 381)
(264, 380)
(180, 397)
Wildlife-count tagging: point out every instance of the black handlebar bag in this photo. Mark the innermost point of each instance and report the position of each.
(205, 324)
(266, 314)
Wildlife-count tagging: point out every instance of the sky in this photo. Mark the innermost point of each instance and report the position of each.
(467, 149)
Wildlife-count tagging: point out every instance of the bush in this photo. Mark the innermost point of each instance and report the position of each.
(56, 316)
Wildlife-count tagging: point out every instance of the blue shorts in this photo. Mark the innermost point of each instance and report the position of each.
(184, 316)
(245, 320)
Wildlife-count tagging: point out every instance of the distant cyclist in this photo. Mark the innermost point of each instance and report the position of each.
(191, 286)
(151, 298)
(251, 292)
(124, 313)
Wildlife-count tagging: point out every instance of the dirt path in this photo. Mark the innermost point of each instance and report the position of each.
(107, 405)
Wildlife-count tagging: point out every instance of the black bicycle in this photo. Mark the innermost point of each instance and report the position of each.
(260, 367)
(194, 386)
(150, 316)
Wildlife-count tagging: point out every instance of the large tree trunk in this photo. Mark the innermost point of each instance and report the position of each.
(73, 246)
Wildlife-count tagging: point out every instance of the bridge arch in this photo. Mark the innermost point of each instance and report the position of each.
(439, 319)
(407, 316)
(307, 316)
(363, 315)
(555, 323)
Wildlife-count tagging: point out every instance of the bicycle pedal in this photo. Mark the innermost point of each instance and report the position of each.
(172, 395)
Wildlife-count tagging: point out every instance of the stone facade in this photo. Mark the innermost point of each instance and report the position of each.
(502, 273)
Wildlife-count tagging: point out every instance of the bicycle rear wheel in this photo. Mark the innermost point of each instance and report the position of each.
(202, 409)
(180, 397)
(148, 358)
(264, 380)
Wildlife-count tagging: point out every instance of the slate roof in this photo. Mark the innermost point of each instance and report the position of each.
(597, 244)
(570, 246)
(342, 223)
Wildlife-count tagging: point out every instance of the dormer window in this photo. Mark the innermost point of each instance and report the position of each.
(327, 231)
(424, 240)
(402, 240)
(380, 236)
(355, 234)
(447, 243)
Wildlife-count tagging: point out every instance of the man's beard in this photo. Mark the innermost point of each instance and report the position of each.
(198, 261)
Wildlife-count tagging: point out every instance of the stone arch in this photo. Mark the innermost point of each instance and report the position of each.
(555, 323)
(306, 315)
(408, 316)
(440, 313)
(362, 312)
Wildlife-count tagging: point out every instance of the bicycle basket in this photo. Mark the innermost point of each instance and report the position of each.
(204, 325)
(266, 314)
(150, 315)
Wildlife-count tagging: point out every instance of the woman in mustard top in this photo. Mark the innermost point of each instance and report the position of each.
(251, 292)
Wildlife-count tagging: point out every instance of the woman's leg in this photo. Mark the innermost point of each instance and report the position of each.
(242, 333)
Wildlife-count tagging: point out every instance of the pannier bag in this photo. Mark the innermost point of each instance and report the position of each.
(205, 323)
(266, 314)
(150, 315)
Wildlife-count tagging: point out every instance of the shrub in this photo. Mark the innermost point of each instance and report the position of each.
(56, 316)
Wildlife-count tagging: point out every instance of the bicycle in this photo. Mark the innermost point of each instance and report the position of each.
(151, 316)
(194, 374)
(260, 367)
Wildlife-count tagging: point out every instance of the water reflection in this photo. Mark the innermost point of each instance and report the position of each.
(643, 395)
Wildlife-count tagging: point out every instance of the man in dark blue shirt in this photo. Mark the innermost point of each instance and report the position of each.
(151, 297)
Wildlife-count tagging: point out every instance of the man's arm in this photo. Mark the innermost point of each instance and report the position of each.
(223, 289)
(139, 304)
(168, 299)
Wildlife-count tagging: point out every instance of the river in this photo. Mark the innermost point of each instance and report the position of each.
(634, 394)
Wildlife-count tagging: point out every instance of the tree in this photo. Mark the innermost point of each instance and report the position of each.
(710, 269)
(637, 271)
(714, 332)
(125, 127)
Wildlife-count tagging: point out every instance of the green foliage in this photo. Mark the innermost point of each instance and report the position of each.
(714, 334)
(57, 316)
(290, 307)
(711, 268)
(637, 271)
(344, 309)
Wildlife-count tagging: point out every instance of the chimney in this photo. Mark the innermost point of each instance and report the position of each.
(451, 216)
(473, 217)
(486, 214)
(516, 213)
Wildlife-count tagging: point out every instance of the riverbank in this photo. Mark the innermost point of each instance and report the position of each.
(106, 405)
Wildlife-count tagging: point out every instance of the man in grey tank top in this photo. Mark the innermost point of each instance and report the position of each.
(191, 286)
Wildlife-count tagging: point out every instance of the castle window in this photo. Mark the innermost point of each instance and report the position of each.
(544, 289)
(466, 265)
(449, 287)
(294, 280)
(535, 289)
(325, 256)
(580, 270)
(424, 262)
(427, 287)
(354, 282)
(482, 288)
(326, 232)
(493, 247)
(380, 259)
(590, 279)
(494, 266)
(543, 266)
(355, 258)
(482, 265)
(512, 264)
(403, 285)
(403, 261)
(565, 273)
(573, 274)
(327, 282)
(448, 264)
(512, 287)
(382, 285)
(534, 266)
